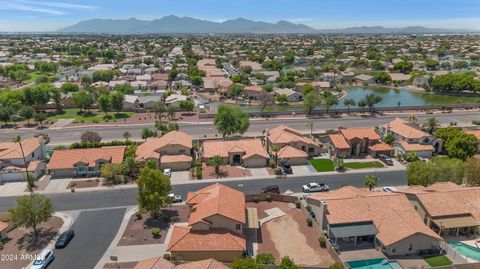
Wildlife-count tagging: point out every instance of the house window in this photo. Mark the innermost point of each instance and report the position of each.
(81, 168)
(238, 226)
(410, 247)
(91, 168)
(182, 151)
(394, 250)
(33, 154)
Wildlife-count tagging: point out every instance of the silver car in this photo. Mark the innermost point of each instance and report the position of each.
(43, 259)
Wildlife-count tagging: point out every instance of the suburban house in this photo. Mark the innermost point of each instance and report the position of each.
(254, 65)
(252, 92)
(162, 263)
(246, 152)
(282, 136)
(358, 218)
(447, 208)
(12, 164)
(172, 150)
(216, 227)
(292, 96)
(364, 79)
(358, 141)
(410, 138)
(83, 162)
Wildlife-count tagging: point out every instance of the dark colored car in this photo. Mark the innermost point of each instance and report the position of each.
(271, 189)
(64, 239)
(286, 168)
(385, 159)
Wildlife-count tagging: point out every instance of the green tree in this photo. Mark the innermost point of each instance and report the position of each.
(281, 99)
(147, 133)
(83, 100)
(403, 66)
(431, 64)
(311, 101)
(69, 87)
(216, 161)
(40, 117)
(472, 172)
(27, 113)
(6, 112)
(275, 149)
(230, 121)
(348, 103)
(153, 190)
(389, 139)
(116, 100)
(159, 109)
(330, 100)
(370, 182)
(382, 78)
(235, 90)
(109, 171)
(462, 146)
(439, 169)
(265, 258)
(287, 263)
(56, 96)
(131, 167)
(31, 210)
(104, 102)
(308, 88)
(186, 105)
(431, 125)
(371, 100)
(245, 263)
(124, 88)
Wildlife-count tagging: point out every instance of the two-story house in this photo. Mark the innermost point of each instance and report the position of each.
(216, 226)
(172, 150)
(13, 163)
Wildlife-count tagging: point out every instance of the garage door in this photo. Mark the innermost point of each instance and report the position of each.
(255, 162)
(179, 166)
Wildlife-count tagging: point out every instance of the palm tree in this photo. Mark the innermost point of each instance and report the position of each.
(398, 105)
(276, 149)
(371, 100)
(361, 104)
(159, 110)
(412, 118)
(348, 103)
(126, 135)
(216, 161)
(431, 125)
(30, 179)
(131, 167)
(371, 182)
(310, 124)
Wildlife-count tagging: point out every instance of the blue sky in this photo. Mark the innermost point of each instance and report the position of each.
(40, 15)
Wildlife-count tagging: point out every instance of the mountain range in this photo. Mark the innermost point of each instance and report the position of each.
(187, 25)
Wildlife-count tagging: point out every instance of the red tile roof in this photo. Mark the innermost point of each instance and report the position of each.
(285, 135)
(216, 199)
(11, 150)
(65, 159)
(185, 239)
(151, 148)
(360, 133)
(339, 141)
(248, 147)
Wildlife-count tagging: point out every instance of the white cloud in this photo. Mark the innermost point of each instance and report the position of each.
(45, 7)
(58, 4)
(4, 5)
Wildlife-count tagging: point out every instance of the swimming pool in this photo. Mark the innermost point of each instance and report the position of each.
(466, 250)
(374, 264)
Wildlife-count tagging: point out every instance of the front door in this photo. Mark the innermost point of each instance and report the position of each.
(237, 160)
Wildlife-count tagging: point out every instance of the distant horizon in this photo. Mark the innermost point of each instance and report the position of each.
(50, 15)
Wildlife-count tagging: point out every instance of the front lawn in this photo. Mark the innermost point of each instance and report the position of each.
(322, 165)
(73, 113)
(435, 261)
(363, 165)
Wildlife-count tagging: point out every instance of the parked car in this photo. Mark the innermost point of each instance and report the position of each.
(389, 189)
(315, 187)
(385, 159)
(43, 259)
(271, 189)
(64, 239)
(175, 198)
(167, 172)
(286, 168)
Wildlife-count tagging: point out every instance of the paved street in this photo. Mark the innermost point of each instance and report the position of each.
(127, 197)
(198, 129)
(94, 230)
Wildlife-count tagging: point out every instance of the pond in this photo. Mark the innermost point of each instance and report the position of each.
(391, 97)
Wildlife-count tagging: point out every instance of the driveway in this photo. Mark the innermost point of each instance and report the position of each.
(179, 176)
(259, 172)
(94, 231)
(299, 170)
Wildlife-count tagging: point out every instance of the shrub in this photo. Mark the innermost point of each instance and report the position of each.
(309, 222)
(255, 199)
(268, 198)
(277, 171)
(297, 203)
(1, 245)
(155, 232)
(138, 215)
(322, 241)
(167, 256)
(198, 172)
(265, 258)
(336, 266)
(476, 122)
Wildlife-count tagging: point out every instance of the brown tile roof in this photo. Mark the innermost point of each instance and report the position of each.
(11, 150)
(204, 264)
(175, 158)
(216, 199)
(339, 141)
(151, 148)
(185, 239)
(447, 202)
(380, 147)
(291, 152)
(404, 129)
(392, 213)
(64, 159)
(360, 133)
(285, 135)
(415, 147)
(155, 263)
(248, 147)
